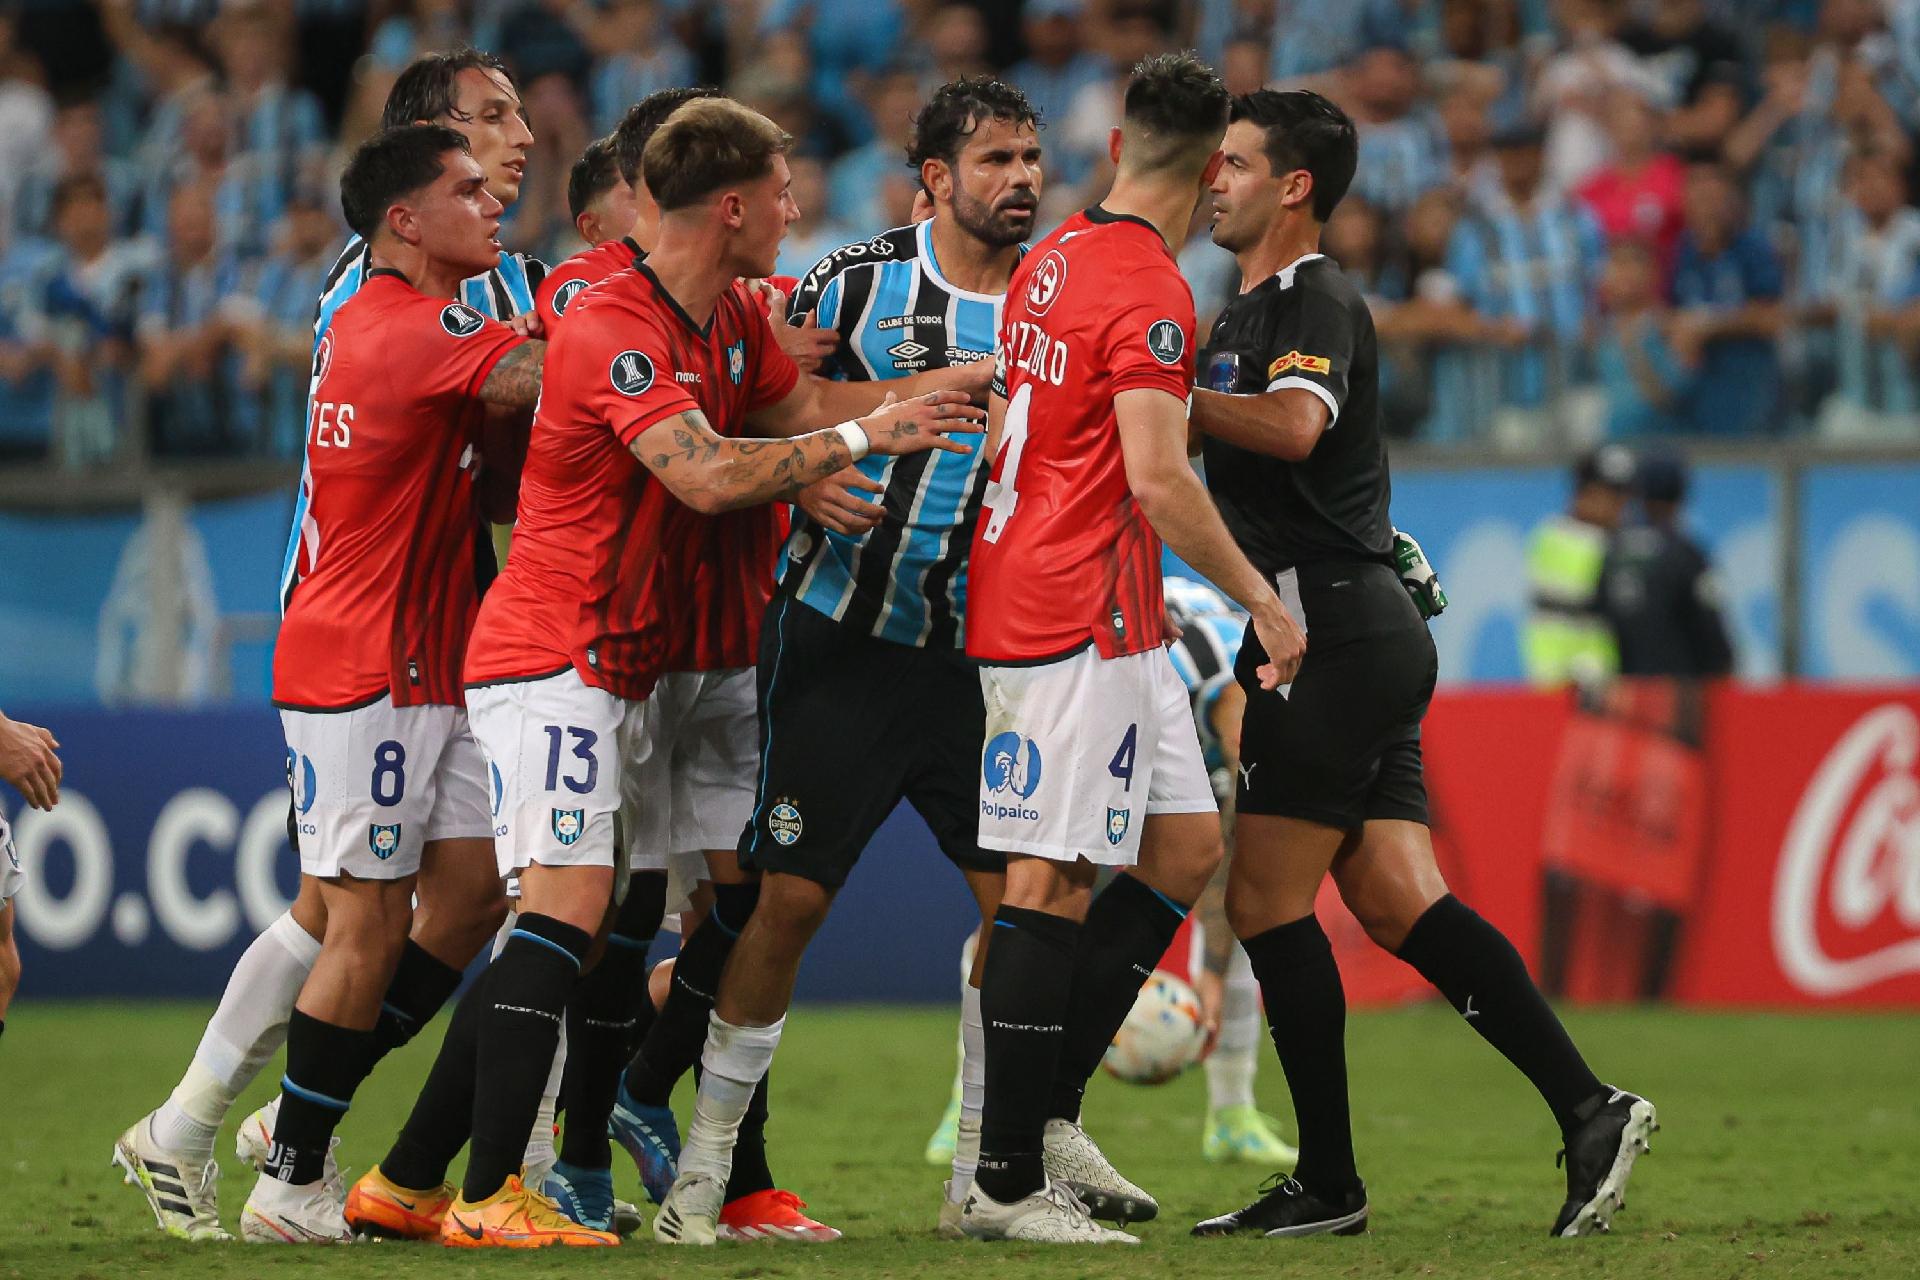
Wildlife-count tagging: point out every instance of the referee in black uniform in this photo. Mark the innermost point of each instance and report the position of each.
(1330, 769)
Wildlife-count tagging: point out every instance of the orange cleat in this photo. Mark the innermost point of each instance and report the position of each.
(772, 1215)
(378, 1206)
(516, 1218)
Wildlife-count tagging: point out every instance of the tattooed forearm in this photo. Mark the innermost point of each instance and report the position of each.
(710, 472)
(515, 380)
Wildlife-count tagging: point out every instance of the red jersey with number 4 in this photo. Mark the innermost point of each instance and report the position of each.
(1062, 556)
(385, 594)
(565, 282)
(609, 573)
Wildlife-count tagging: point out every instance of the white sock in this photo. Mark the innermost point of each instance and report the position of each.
(1231, 1065)
(730, 1067)
(973, 1094)
(246, 1030)
(541, 1153)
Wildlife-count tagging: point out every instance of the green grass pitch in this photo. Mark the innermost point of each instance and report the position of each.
(1790, 1147)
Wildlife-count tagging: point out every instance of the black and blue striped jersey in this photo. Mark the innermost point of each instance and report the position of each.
(906, 579)
(1211, 629)
(501, 294)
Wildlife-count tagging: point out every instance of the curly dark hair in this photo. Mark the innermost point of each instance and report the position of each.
(1175, 103)
(592, 176)
(636, 128)
(1305, 131)
(958, 109)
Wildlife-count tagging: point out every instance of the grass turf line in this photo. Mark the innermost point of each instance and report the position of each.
(1790, 1148)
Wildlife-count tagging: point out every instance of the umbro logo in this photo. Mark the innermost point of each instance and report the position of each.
(908, 350)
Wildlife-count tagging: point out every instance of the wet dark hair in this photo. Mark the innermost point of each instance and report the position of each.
(390, 165)
(956, 111)
(592, 176)
(1305, 131)
(427, 90)
(636, 128)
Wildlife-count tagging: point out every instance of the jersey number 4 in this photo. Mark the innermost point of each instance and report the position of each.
(1001, 497)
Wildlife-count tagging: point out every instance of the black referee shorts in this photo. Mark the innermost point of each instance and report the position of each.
(1343, 746)
(851, 725)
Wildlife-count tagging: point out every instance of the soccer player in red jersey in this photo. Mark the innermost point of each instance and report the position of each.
(633, 489)
(1065, 613)
(367, 667)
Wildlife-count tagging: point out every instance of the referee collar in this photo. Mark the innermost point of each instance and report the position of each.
(1285, 274)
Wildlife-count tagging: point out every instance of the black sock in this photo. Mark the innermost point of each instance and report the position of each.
(442, 1116)
(750, 1172)
(600, 1017)
(1486, 981)
(420, 986)
(325, 1064)
(519, 1030)
(1023, 1001)
(1127, 930)
(679, 1030)
(1307, 1014)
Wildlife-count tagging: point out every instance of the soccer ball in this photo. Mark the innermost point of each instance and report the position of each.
(1162, 1036)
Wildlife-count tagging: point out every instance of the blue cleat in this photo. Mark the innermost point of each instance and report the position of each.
(652, 1137)
(585, 1195)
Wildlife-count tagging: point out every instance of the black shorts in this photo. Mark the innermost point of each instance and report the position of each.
(1343, 746)
(850, 725)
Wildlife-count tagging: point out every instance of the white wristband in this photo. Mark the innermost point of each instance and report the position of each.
(856, 437)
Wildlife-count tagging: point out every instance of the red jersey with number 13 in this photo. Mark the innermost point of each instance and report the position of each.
(1063, 556)
(386, 591)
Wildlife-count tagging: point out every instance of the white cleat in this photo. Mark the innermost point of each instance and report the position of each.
(1051, 1215)
(285, 1213)
(254, 1143)
(1073, 1158)
(951, 1214)
(691, 1211)
(182, 1190)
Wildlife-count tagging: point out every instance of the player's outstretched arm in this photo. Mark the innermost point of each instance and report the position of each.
(1153, 440)
(1285, 424)
(27, 760)
(817, 402)
(712, 473)
(514, 381)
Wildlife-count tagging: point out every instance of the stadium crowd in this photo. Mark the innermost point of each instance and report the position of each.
(1576, 219)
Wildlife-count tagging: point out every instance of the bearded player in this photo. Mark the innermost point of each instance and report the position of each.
(461, 904)
(1067, 619)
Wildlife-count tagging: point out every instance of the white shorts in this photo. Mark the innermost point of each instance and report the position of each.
(11, 877)
(703, 732)
(560, 756)
(374, 785)
(1067, 743)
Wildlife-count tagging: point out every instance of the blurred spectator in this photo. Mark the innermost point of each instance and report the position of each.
(1359, 237)
(1703, 66)
(167, 69)
(1400, 150)
(855, 183)
(1658, 591)
(78, 147)
(540, 38)
(279, 132)
(1481, 52)
(26, 360)
(954, 46)
(847, 41)
(1871, 277)
(1312, 36)
(1642, 378)
(1727, 286)
(1243, 66)
(818, 233)
(1526, 264)
(1058, 65)
(188, 358)
(276, 340)
(639, 55)
(82, 307)
(1466, 133)
(26, 109)
(1574, 86)
(1637, 194)
(1077, 141)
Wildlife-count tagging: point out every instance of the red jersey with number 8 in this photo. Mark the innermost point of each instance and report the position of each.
(1063, 557)
(386, 588)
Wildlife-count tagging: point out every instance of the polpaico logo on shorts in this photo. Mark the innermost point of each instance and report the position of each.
(568, 824)
(1117, 822)
(383, 840)
(1010, 767)
(784, 822)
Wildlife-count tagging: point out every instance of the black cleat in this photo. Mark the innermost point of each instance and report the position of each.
(1289, 1209)
(1599, 1157)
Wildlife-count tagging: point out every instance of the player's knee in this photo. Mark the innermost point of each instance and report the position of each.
(792, 906)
